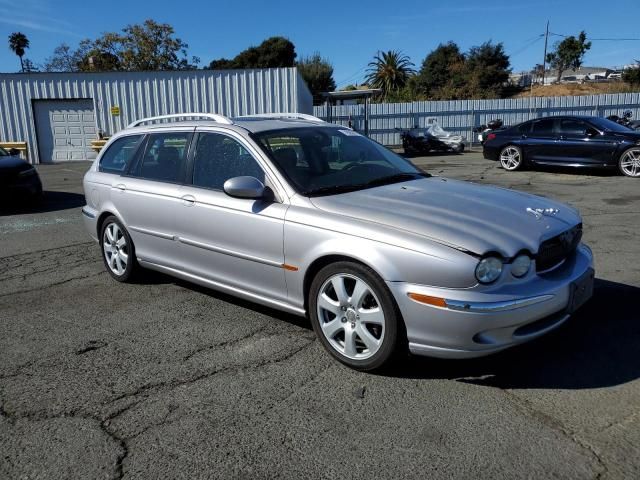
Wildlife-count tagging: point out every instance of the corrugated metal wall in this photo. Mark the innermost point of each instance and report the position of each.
(460, 116)
(146, 94)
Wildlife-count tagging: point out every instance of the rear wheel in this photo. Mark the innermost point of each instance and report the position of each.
(354, 315)
(511, 158)
(118, 252)
(629, 163)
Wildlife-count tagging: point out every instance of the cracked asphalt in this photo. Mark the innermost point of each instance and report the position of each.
(163, 379)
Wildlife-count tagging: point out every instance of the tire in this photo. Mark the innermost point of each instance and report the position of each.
(511, 158)
(459, 148)
(629, 162)
(366, 335)
(118, 251)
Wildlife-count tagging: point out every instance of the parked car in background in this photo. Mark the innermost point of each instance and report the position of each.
(314, 219)
(18, 178)
(566, 141)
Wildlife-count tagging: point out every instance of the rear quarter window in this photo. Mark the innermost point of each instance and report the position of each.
(119, 154)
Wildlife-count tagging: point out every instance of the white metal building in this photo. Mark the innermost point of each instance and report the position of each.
(59, 114)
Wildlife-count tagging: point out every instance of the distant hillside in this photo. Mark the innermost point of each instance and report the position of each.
(568, 89)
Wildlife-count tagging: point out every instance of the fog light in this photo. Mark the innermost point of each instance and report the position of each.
(520, 266)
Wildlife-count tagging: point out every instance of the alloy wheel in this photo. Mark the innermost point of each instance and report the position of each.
(350, 316)
(630, 162)
(115, 248)
(510, 158)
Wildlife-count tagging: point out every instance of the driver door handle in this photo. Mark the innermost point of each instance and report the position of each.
(188, 200)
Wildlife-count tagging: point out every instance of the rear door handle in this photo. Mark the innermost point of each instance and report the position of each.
(188, 200)
(120, 187)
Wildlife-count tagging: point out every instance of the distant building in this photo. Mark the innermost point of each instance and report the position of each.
(59, 114)
(579, 75)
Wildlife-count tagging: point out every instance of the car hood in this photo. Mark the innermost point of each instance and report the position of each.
(12, 164)
(467, 216)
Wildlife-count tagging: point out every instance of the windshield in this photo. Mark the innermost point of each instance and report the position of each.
(608, 125)
(326, 160)
(3, 152)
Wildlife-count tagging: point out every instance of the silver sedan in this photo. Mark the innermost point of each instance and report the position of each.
(312, 218)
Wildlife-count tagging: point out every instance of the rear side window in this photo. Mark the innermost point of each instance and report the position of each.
(218, 158)
(164, 157)
(117, 157)
(524, 128)
(543, 127)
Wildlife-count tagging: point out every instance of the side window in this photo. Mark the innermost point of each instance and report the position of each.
(218, 158)
(164, 157)
(573, 127)
(119, 154)
(524, 128)
(543, 127)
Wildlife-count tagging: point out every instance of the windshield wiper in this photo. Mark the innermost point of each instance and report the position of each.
(335, 189)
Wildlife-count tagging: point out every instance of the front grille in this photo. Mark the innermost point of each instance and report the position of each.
(554, 251)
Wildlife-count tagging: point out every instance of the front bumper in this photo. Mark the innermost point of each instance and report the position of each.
(475, 323)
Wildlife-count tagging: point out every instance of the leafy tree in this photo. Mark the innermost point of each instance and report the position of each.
(632, 75)
(30, 67)
(317, 72)
(146, 46)
(568, 53)
(487, 70)
(389, 71)
(436, 71)
(18, 43)
(274, 52)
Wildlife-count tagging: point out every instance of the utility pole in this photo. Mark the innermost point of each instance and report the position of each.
(544, 60)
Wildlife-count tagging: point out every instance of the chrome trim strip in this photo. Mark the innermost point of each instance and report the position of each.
(280, 305)
(153, 233)
(231, 253)
(490, 307)
(87, 213)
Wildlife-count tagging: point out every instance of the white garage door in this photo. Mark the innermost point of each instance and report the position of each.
(65, 129)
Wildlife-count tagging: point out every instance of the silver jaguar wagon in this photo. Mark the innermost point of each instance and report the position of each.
(314, 219)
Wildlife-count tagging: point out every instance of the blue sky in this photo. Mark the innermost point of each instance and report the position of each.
(348, 33)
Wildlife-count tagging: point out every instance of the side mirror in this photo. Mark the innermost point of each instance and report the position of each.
(592, 133)
(244, 187)
(14, 152)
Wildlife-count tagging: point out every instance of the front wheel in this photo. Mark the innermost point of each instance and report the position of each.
(118, 252)
(511, 158)
(354, 315)
(629, 163)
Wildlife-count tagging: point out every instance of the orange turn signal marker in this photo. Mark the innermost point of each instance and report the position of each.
(435, 301)
(291, 268)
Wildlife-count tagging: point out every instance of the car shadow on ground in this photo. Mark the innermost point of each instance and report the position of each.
(50, 201)
(598, 347)
(576, 171)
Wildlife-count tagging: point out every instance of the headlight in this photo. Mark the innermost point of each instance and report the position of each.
(489, 269)
(520, 266)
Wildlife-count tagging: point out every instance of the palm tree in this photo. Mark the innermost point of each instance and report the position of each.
(17, 43)
(390, 71)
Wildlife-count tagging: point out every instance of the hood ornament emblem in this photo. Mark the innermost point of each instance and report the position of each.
(540, 212)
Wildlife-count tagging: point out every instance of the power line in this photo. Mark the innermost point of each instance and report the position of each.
(599, 39)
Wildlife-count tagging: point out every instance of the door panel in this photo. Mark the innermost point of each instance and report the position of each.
(149, 198)
(581, 148)
(540, 142)
(238, 242)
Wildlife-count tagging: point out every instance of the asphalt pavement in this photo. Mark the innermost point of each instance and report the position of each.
(164, 379)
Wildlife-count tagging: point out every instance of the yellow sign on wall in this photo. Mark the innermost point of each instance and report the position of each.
(115, 110)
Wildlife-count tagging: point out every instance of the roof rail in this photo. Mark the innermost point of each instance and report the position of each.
(298, 116)
(212, 116)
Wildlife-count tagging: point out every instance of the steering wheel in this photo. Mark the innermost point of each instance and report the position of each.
(351, 166)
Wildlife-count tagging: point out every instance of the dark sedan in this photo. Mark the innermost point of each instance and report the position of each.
(17, 177)
(566, 141)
